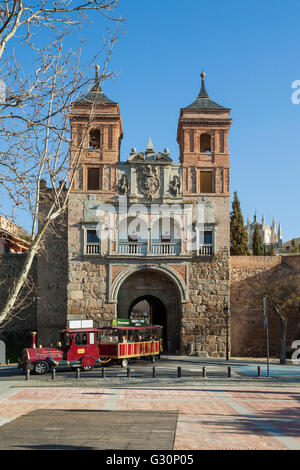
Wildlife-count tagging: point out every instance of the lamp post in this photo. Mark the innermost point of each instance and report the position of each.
(226, 311)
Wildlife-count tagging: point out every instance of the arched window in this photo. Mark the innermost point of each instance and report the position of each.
(94, 141)
(205, 143)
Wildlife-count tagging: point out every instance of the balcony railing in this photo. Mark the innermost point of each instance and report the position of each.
(135, 248)
(131, 248)
(92, 249)
(165, 248)
(205, 250)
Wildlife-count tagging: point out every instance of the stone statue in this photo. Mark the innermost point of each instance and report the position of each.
(174, 186)
(123, 185)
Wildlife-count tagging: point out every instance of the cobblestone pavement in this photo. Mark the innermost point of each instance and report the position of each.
(210, 416)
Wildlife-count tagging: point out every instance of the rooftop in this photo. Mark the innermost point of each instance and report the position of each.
(203, 100)
(95, 95)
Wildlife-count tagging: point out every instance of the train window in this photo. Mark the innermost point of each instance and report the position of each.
(92, 338)
(66, 340)
(80, 338)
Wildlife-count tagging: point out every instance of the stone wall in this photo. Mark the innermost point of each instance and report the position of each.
(25, 317)
(249, 277)
(52, 274)
(203, 318)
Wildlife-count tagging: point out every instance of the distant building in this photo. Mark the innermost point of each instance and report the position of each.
(287, 247)
(12, 238)
(269, 235)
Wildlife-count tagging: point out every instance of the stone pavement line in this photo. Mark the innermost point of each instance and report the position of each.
(111, 403)
(208, 417)
(203, 419)
(263, 424)
(5, 393)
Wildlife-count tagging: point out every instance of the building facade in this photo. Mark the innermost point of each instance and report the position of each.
(146, 228)
(270, 235)
(291, 246)
(13, 239)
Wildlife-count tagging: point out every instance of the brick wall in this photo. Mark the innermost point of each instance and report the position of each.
(249, 275)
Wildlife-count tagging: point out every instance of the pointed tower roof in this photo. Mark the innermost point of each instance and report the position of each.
(203, 100)
(95, 95)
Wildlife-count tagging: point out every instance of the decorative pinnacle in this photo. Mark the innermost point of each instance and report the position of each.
(203, 93)
(97, 86)
(150, 145)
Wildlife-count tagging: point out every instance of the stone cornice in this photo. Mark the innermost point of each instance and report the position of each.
(206, 122)
(99, 117)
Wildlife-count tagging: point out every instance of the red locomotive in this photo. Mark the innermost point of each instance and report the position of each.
(87, 347)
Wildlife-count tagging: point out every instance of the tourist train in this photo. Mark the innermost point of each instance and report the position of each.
(83, 346)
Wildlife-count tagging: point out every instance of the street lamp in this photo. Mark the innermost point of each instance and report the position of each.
(226, 311)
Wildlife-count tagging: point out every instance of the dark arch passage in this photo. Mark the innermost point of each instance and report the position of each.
(158, 293)
(156, 312)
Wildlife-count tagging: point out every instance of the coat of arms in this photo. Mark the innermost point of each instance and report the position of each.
(149, 180)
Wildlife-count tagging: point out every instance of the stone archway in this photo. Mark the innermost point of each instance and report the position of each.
(162, 293)
(156, 310)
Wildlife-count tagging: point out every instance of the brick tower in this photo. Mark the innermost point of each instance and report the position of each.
(96, 134)
(202, 136)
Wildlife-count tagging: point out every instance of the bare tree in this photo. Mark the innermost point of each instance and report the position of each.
(283, 296)
(34, 116)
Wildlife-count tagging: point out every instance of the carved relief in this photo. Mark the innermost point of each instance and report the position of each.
(148, 180)
(149, 155)
(107, 178)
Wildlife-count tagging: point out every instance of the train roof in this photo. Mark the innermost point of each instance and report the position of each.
(91, 330)
(146, 327)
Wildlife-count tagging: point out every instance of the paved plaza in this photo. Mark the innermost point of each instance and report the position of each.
(207, 416)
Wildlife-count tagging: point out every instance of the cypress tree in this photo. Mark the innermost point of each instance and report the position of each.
(294, 248)
(271, 251)
(238, 233)
(257, 248)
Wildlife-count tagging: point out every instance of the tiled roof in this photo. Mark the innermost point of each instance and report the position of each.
(203, 100)
(95, 95)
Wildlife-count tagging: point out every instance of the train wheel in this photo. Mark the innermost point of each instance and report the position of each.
(41, 367)
(124, 362)
(86, 368)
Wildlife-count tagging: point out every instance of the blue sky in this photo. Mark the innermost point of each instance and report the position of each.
(250, 53)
